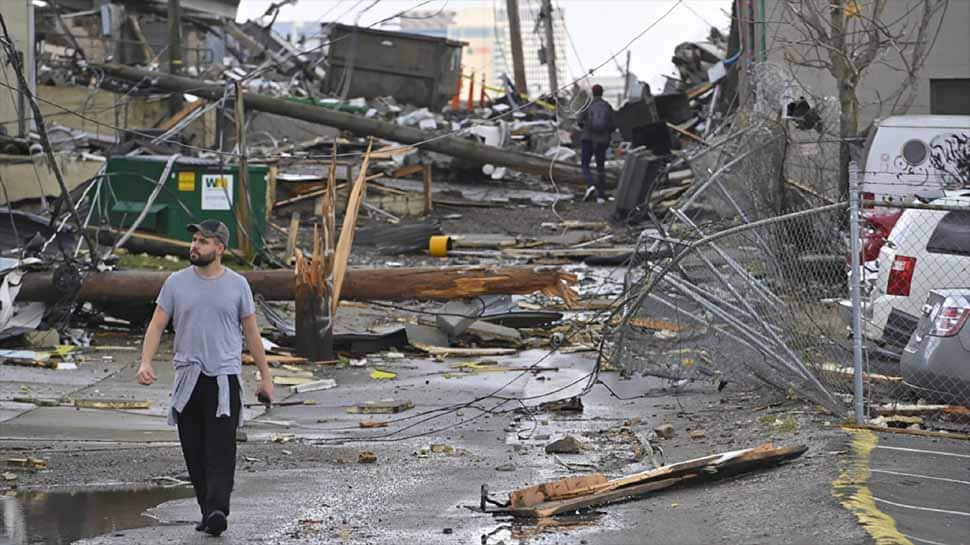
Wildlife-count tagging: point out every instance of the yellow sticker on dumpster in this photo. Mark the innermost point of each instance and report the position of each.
(187, 181)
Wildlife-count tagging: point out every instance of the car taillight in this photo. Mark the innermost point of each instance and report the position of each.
(901, 275)
(949, 321)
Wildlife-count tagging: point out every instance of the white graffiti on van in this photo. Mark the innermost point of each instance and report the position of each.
(947, 164)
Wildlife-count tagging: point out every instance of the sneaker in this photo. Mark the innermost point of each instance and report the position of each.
(600, 200)
(200, 527)
(590, 191)
(215, 523)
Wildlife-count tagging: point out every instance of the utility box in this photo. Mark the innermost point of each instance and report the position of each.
(195, 190)
(413, 68)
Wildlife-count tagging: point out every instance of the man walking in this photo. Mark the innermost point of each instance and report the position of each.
(208, 303)
(598, 122)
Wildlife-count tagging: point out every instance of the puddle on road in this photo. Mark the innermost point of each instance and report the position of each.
(60, 518)
(518, 532)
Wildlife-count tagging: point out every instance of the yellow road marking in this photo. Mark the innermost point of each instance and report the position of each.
(852, 491)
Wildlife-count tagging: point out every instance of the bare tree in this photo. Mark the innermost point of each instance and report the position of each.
(847, 37)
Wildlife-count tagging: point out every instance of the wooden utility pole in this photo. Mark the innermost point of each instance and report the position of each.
(450, 145)
(550, 47)
(515, 38)
(389, 284)
(242, 206)
(174, 49)
(626, 78)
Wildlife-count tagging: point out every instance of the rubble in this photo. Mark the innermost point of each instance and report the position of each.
(664, 431)
(566, 445)
(583, 493)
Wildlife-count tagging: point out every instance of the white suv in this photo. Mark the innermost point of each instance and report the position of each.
(927, 249)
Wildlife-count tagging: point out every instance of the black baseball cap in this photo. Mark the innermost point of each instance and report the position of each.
(211, 229)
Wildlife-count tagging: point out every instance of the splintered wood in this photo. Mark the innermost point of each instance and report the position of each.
(342, 254)
(578, 493)
(460, 283)
(314, 293)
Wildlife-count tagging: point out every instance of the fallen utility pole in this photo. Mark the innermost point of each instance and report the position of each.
(449, 145)
(134, 287)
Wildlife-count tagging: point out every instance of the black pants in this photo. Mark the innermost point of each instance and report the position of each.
(209, 443)
(590, 149)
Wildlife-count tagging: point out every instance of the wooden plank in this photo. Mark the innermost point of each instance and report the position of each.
(342, 251)
(142, 40)
(556, 490)
(173, 120)
(688, 134)
(904, 431)
(291, 237)
(594, 500)
(428, 201)
(271, 190)
(407, 170)
(305, 196)
(112, 404)
(570, 253)
(842, 372)
(291, 380)
(368, 424)
(445, 351)
(389, 406)
(911, 410)
(247, 359)
(641, 483)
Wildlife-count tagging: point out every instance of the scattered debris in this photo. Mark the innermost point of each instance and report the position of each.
(445, 352)
(29, 463)
(368, 424)
(386, 406)
(566, 445)
(315, 386)
(582, 493)
(366, 457)
(108, 404)
(571, 405)
(664, 431)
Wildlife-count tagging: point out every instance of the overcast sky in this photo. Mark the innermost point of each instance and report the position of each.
(599, 28)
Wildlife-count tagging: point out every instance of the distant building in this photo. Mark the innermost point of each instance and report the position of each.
(488, 51)
(942, 85)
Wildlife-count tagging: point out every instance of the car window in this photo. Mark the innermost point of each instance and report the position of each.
(952, 234)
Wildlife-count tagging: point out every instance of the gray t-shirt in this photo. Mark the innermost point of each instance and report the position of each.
(206, 314)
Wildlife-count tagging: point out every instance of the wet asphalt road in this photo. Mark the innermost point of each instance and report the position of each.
(409, 498)
(924, 485)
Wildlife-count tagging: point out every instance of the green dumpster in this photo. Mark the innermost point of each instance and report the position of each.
(195, 190)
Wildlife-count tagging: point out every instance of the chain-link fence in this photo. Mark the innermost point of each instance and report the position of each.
(915, 303)
(747, 279)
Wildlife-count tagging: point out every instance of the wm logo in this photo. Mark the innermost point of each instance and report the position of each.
(216, 183)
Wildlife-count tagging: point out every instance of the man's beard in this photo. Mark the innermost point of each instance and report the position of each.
(200, 260)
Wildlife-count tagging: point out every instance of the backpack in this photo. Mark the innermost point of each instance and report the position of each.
(599, 116)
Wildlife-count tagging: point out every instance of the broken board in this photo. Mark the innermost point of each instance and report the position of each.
(387, 406)
(571, 498)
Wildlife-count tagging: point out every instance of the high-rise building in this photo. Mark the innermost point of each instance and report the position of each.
(489, 53)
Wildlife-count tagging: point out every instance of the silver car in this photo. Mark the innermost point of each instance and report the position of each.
(936, 361)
